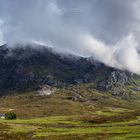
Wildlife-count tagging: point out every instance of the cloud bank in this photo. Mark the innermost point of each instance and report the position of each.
(109, 30)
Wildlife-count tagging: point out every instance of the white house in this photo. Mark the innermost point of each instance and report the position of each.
(2, 116)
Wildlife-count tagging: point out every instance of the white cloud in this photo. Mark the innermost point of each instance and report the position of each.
(123, 55)
(107, 30)
(1, 34)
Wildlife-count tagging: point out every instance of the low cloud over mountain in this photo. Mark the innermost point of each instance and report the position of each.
(106, 30)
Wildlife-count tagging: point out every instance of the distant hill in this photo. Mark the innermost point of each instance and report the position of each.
(28, 67)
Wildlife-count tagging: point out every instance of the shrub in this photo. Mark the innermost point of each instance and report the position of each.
(10, 115)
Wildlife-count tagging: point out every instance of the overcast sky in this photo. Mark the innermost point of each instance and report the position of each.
(108, 30)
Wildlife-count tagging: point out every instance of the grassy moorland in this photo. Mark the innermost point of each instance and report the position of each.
(70, 128)
(76, 113)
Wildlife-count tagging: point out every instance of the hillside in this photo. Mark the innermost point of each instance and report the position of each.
(57, 96)
(29, 67)
(79, 112)
(75, 100)
(41, 80)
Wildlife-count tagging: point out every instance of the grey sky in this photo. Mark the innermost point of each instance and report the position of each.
(99, 28)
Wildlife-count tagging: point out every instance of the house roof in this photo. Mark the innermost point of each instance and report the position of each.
(1, 115)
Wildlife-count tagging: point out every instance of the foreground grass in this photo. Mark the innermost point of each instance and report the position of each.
(76, 113)
(69, 128)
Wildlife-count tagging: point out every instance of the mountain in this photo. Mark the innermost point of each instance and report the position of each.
(28, 67)
(57, 95)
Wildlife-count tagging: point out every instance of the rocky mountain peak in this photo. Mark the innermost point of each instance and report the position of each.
(28, 67)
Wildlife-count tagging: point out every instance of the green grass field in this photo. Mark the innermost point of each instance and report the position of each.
(92, 115)
(69, 128)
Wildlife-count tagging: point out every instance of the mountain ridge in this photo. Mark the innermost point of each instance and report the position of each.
(31, 66)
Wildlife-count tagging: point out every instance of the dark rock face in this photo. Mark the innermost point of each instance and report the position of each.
(23, 68)
(116, 78)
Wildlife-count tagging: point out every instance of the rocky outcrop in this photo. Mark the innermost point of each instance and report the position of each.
(116, 78)
(46, 91)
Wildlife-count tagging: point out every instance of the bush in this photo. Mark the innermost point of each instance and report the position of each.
(10, 115)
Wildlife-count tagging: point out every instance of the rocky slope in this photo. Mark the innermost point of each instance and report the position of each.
(29, 67)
